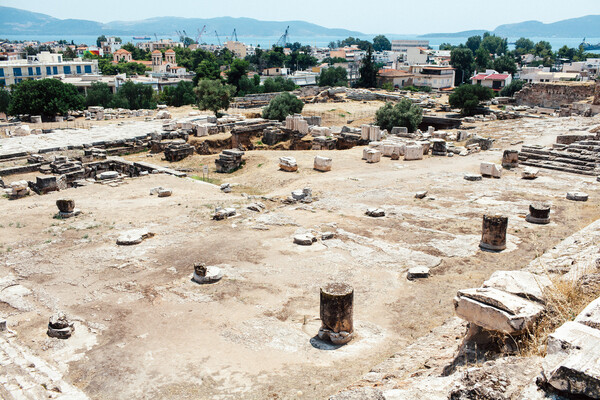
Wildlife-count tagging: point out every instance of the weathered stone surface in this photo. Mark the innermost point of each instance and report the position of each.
(510, 159)
(65, 205)
(530, 173)
(590, 315)
(497, 310)
(554, 94)
(59, 326)
(417, 273)
(327, 235)
(165, 192)
(421, 194)
(363, 393)
(19, 185)
(288, 164)
(372, 156)
(520, 283)
(336, 312)
(490, 169)
(539, 213)
(304, 239)
(134, 236)
(223, 213)
(107, 175)
(572, 364)
(414, 152)
(577, 196)
(322, 164)
(204, 274)
(473, 177)
(493, 232)
(375, 212)
(258, 207)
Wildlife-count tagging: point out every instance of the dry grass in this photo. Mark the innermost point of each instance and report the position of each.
(564, 301)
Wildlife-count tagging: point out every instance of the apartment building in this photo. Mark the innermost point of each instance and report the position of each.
(159, 44)
(44, 65)
(434, 76)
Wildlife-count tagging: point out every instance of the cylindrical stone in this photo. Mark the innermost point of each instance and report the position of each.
(65, 205)
(336, 309)
(493, 232)
(510, 159)
(539, 213)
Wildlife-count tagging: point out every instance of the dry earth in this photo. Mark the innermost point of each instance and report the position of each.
(144, 330)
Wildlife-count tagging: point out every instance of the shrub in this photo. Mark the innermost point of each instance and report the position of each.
(468, 97)
(403, 113)
(281, 106)
(512, 88)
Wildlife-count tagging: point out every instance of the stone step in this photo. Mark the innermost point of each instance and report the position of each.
(559, 168)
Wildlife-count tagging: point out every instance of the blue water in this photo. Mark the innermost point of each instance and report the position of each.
(321, 41)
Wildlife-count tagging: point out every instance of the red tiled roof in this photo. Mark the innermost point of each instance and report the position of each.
(392, 72)
(490, 77)
(122, 51)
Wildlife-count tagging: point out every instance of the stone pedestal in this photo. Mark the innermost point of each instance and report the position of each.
(337, 302)
(65, 205)
(539, 213)
(59, 327)
(493, 235)
(510, 159)
(438, 147)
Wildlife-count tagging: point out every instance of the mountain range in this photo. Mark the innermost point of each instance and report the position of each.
(14, 21)
(587, 26)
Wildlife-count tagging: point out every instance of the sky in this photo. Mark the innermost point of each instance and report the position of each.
(382, 16)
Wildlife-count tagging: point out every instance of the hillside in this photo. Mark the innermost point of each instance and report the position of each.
(14, 21)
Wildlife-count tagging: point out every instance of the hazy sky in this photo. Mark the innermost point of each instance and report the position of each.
(382, 16)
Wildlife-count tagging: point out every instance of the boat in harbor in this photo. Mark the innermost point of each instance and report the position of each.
(588, 46)
(141, 38)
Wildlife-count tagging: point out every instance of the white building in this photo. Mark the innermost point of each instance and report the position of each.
(434, 76)
(492, 79)
(539, 74)
(399, 45)
(44, 65)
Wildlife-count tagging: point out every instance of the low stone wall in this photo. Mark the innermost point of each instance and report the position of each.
(554, 94)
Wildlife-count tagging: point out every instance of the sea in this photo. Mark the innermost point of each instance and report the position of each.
(320, 41)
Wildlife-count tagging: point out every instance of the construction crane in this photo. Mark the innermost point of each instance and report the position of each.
(219, 39)
(156, 37)
(283, 40)
(234, 35)
(200, 32)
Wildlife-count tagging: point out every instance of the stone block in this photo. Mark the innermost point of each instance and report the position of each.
(288, 164)
(590, 315)
(577, 196)
(373, 156)
(490, 169)
(521, 283)
(417, 273)
(414, 152)
(322, 164)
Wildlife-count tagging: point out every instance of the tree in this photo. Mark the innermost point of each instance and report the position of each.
(482, 59)
(446, 46)
(99, 94)
(566, 53)
(523, 46)
(207, 69)
(473, 43)
(45, 97)
(512, 88)
(4, 100)
(494, 44)
(463, 61)
(367, 71)
(333, 76)
(238, 69)
(381, 43)
(213, 95)
(505, 64)
(468, 97)
(134, 96)
(180, 95)
(281, 106)
(100, 39)
(404, 113)
(69, 54)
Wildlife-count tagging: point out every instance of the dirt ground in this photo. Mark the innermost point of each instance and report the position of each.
(145, 330)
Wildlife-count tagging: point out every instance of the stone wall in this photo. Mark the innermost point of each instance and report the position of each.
(597, 95)
(554, 94)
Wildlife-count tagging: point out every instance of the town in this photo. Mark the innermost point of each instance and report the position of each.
(376, 218)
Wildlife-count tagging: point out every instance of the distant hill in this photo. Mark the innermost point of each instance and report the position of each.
(588, 26)
(14, 21)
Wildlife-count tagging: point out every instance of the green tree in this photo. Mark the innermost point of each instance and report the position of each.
(463, 62)
(381, 43)
(238, 69)
(473, 43)
(505, 64)
(180, 95)
(494, 44)
(281, 106)
(213, 95)
(524, 46)
(4, 100)
(446, 46)
(45, 97)
(566, 52)
(134, 96)
(468, 97)
(207, 69)
(333, 76)
(367, 71)
(403, 114)
(100, 39)
(99, 94)
(69, 54)
(512, 88)
(482, 59)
